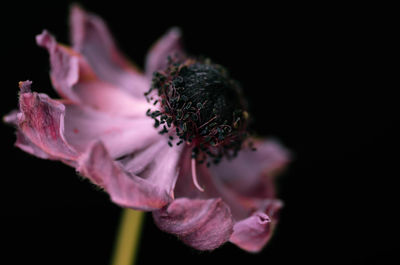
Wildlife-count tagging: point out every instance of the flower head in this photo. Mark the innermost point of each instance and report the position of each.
(203, 104)
(172, 140)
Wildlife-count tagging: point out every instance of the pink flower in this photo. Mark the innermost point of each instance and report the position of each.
(100, 127)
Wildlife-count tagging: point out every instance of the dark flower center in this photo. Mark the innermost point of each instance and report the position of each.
(203, 105)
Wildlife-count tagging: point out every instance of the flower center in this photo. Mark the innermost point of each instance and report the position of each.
(202, 106)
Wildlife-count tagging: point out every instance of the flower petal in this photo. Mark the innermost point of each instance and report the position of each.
(64, 131)
(91, 37)
(125, 189)
(252, 173)
(66, 66)
(158, 163)
(202, 224)
(120, 135)
(74, 79)
(254, 232)
(185, 186)
(107, 98)
(242, 203)
(41, 120)
(22, 141)
(11, 118)
(25, 144)
(168, 45)
(241, 207)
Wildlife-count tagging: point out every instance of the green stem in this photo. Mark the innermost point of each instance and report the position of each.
(127, 241)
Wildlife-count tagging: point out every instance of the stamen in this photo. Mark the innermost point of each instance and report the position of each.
(199, 100)
(213, 118)
(194, 176)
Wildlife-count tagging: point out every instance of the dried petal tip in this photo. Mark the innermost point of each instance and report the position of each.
(45, 40)
(25, 86)
(200, 101)
(252, 233)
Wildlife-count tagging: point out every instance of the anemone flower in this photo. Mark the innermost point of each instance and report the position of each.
(172, 140)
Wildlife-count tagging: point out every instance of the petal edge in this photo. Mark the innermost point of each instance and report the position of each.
(253, 233)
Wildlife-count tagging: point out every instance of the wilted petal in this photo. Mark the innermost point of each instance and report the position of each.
(66, 66)
(75, 80)
(168, 45)
(120, 135)
(125, 189)
(202, 224)
(253, 233)
(107, 98)
(41, 120)
(12, 117)
(64, 131)
(157, 163)
(22, 141)
(241, 204)
(185, 186)
(91, 37)
(25, 144)
(251, 172)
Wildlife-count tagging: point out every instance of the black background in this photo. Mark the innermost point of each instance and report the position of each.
(318, 78)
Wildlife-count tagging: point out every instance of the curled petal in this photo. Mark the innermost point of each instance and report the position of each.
(253, 233)
(41, 120)
(168, 45)
(125, 189)
(91, 37)
(74, 79)
(66, 66)
(202, 224)
(64, 131)
(22, 141)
